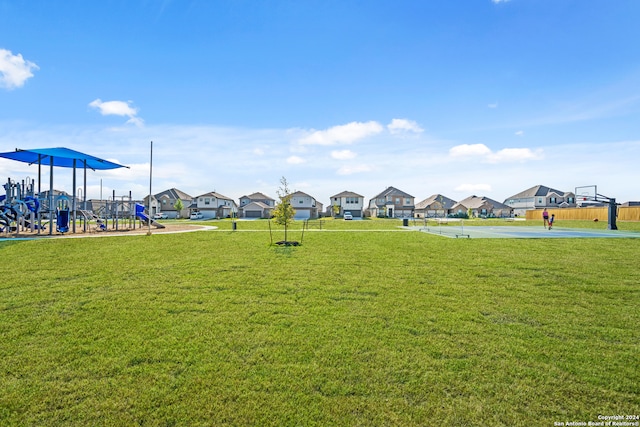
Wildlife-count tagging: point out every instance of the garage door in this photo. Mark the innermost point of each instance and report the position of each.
(302, 214)
(252, 214)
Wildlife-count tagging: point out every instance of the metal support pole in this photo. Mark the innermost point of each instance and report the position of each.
(613, 213)
(51, 210)
(73, 202)
(150, 188)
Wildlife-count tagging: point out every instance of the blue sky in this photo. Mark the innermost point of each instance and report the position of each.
(481, 97)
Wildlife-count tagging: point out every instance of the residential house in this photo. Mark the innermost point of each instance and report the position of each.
(540, 197)
(347, 201)
(214, 205)
(165, 202)
(392, 203)
(306, 206)
(256, 205)
(482, 207)
(436, 206)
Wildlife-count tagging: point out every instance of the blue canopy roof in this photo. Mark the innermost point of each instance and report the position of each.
(62, 157)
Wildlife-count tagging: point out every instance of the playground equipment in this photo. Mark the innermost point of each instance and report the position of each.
(57, 157)
(146, 219)
(23, 210)
(19, 208)
(62, 214)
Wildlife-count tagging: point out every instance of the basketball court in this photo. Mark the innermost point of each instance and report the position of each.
(520, 232)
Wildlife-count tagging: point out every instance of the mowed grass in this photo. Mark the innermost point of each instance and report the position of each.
(351, 328)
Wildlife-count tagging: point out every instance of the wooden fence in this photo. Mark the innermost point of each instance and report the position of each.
(625, 213)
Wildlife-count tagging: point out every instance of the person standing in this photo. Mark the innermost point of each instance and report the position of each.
(545, 218)
(553, 216)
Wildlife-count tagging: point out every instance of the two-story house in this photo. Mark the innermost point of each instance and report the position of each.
(347, 201)
(306, 206)
(540, 197)
(214, 205)
(436, 206)
(165, 202)
(256, 205)
(482, 207)
(392, 203)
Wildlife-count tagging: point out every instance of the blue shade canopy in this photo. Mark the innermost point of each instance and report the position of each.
(62, 157)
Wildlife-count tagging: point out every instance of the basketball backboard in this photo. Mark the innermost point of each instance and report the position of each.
(586, 193)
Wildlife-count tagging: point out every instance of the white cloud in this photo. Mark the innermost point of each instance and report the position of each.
(403, 125)
(258, 151)
(343, 154)
(471, 188)
(466, 150)
(351, 169)
(342, 134)
(500, 1)
(295, 160)
(515, 155)
(118, 108)
(14, 69)
(494, 105)
(502, 156)
(520, 133)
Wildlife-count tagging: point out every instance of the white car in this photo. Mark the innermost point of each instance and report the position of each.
(196, 215)
(160, 216)
(347, 216)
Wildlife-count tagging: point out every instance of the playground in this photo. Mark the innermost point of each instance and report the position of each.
(28, 211)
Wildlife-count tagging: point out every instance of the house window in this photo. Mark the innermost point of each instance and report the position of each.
(553, 200)
(571, 200)
(539, 200)
(407, 201)
(206, 201)
(397, 200)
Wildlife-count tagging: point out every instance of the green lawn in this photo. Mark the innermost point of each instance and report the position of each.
(371, 328)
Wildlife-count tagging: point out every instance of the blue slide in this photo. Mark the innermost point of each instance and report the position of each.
(62, 220)
(145, 218)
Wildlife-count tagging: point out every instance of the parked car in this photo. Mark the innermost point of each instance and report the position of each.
(196, 215)
(160, 215)
(347, 216)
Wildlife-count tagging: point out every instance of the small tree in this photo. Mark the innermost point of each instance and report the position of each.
(178, 205)
(283, 213)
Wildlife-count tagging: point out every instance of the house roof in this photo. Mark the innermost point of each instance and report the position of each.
(475, 202)
(347, 194)
(216, 195)
(257, 196)
(301, 194)
(439, 199)
(255, 206)
(538, 190)
(173, 193)
(392, 191)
